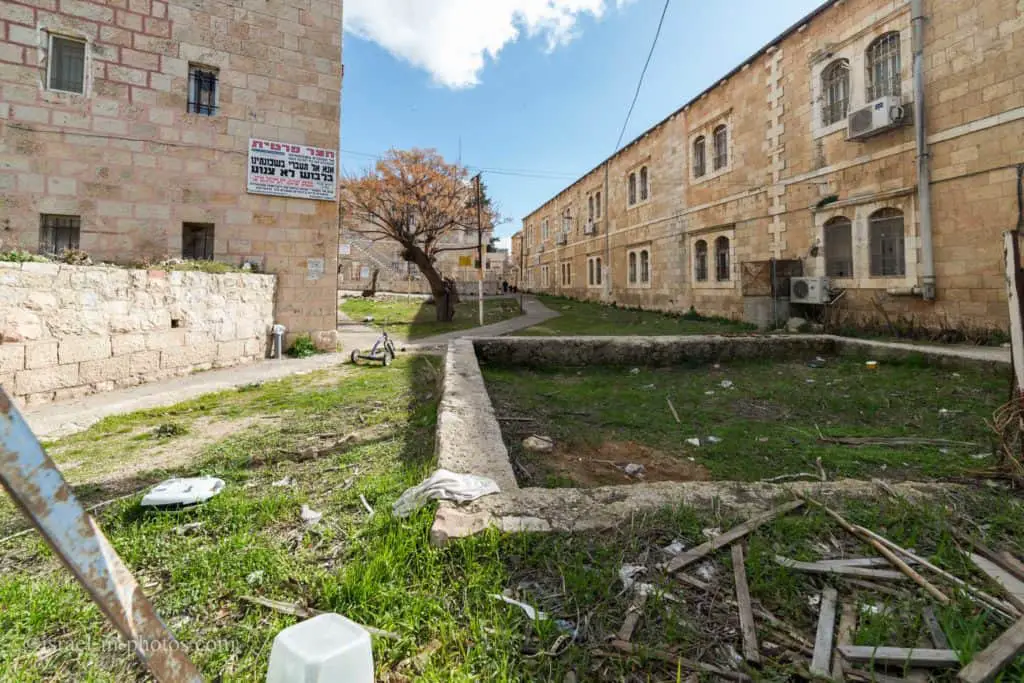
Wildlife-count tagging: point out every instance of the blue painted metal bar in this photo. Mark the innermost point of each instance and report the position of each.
(37, 486)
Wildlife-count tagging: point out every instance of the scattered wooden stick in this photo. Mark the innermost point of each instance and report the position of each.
(516, 419)
(694, 554)
(938, 636)
(366, 504)
(861, 562)
(673, 409)
(784, 477)
(1004, 560)
(1006, 609)
(841, 570)
(691, 581)
(1011, 564)
(821, 469)
(885, 486)
(630, 649)
(890, 441)
(886, 552)
(915, 657)
(750, 649)
(826, 627)
(990, 661)
(633, 614)
(297, 610)
(847, 627)
(874, 587)
(1010, 584)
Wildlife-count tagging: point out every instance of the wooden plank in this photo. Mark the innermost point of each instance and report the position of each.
(633, 614)
(730, 536)
(847, 627)
(859, 572)
(746, 609)
(1015, 302)
(859, 562)
(915, 657)
(1011, 564)
(670, 658)
(826, 628)
(990, 661)
(1013, 587)
(875, 587)
(938, 636)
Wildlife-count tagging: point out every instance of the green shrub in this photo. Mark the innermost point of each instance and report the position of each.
(20, 256)
(302, 347)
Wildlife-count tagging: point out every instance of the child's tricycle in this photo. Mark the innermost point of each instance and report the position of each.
(383, 351)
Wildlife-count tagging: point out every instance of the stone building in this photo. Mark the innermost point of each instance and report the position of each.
(807, 153)
(141, 130)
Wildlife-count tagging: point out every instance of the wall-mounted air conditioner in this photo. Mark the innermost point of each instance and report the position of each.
(589, 228)
(561, 238)
(879, 116)
(808, 290)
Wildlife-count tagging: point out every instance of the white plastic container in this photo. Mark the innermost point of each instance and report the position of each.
(325, 649)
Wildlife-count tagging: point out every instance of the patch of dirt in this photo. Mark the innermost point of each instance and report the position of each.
(604, 465)
(754, 409)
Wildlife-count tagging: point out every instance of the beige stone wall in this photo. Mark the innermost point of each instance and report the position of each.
(67, 331)
(130, 160)
(783, 160)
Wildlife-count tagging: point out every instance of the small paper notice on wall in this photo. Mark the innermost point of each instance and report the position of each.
(315, 268)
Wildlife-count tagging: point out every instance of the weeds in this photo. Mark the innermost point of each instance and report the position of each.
(592, 318)
(302, 347)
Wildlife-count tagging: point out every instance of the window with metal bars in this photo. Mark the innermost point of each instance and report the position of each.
(197, 241)
(58, 234)
(839, 247)
(700, 261)
(66, 64)
(699, 157)
(202, 90)
(883, 64)
(887, 243)
(835, 91)
(645, 190)
(645, 267)
(632, 189)
(721, 147)
(723, 272)
(632, 267)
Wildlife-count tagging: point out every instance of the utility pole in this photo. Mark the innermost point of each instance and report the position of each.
(480, 251)
(521, 280)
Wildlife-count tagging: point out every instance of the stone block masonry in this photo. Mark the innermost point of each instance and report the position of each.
(67, 331)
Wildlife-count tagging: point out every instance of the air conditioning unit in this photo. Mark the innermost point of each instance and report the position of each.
(808, 290)
(536, 259)
(881, 115)
(561, 238)
(540, 248)
(589, 228)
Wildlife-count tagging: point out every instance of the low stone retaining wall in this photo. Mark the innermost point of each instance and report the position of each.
(67, 331)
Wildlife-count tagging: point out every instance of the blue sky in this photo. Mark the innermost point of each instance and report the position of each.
(550, 104)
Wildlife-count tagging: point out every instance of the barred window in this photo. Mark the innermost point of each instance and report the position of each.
(722, 271)
(645, 267)
(202, 90)
(66, 64)
(883, 63)
(721, 147)
(839, 247)
(632, 189)
(700, 261)
(58, 234)
(597, 205)
(887, 243)
(699, 158)
(644, 188)
(835, 91)
(197, 241)
(632, 267)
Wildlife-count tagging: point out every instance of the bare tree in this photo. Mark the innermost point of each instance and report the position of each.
(417, 199)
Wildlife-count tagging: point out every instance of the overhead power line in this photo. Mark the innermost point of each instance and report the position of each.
(518, 172)
(643, 73)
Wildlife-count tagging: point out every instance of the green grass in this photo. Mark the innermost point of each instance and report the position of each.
(589, 318)
(767, 421)
(383, 572)
(412, 320)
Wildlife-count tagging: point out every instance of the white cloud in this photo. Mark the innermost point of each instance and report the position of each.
(451, 39)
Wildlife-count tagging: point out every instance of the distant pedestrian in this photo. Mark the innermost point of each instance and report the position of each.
(504, 286)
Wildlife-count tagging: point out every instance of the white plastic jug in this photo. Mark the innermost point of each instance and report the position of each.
(325, 649)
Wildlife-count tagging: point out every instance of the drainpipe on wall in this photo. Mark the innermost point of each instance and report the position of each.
(924, 179)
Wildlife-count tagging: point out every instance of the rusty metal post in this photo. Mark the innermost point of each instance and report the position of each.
(39, 489)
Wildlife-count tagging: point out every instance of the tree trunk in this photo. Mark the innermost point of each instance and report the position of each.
(443, 293)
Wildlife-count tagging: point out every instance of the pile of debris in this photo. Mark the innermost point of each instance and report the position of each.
(828, 655)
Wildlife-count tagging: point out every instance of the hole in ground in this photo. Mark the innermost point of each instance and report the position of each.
(585, 466)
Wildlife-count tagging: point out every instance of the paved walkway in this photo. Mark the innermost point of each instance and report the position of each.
(51, 420)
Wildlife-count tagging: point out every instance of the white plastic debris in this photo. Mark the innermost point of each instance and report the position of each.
(628, 574)
(709, 393)
(713, 439)
(695, 442)
(674, 548)
(980, 456)
(706, 571)
(539, 444)
(634, 470)
(635, 371)
(183, 492)
(814, 599)
(368, 319)
(711, 532)
(281, 483)
(650, 387)
(328, 647)
(726, 384)
(255, 577)
(309, 515)
(531, 612)
(444, 485)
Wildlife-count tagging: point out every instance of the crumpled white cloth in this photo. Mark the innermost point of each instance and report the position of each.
(444, 485)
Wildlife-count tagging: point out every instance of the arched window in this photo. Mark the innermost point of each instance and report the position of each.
(590, 208)
(644, 189)
(721, 147)
(699, 158)
(883, 65)
(632, 267)
(597, 271)
(887, 243)
(700, 261)
(722, 270)
(839, 247)
(632, 189)
(835, 92)
(590, 272)
(645, 267)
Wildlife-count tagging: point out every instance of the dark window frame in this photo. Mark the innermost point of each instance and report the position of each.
(59, 233)
(835, 92)
(700, 261)
(888, 245)
(723, 271)
(645, 267)
(203, 95)
(632, 267)
(645, 189)
(838, 233)
(700, 159)
(66, 64)
(631, 182)
(197, 241)
(884, 65)
(721, 142)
